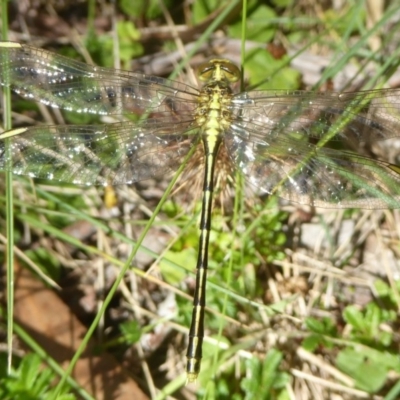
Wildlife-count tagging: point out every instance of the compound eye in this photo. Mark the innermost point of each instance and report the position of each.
(231, 71)
(206, 70)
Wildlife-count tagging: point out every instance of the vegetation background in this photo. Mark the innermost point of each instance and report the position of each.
(302, 303)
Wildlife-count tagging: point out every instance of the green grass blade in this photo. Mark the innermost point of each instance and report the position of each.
(9, 206)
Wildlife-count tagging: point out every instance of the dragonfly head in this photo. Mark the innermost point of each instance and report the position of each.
(218, 70)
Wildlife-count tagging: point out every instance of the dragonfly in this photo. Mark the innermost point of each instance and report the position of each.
(326, 149)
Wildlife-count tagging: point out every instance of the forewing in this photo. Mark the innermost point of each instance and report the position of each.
(327, 150)
(61, 82)
(119, 153)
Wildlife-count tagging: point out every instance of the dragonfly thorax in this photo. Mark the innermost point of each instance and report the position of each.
(213, 113)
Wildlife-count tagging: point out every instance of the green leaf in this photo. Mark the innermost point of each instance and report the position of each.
(28, 370)
(387, 295)
(270, 373)
(325, 326)
(263, 379)
(134, 9)
(267, 73)
(129, 44)
(368, 375)
(202, 9)
(312, 342)
(258, 26)
(283, 3)
(354, 317)
(174, 275)
(30, 382)
(366, 324)
(131, 331)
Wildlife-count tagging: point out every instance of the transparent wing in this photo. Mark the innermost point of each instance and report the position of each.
(71, 85)
(119, 153)
(327, 150)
